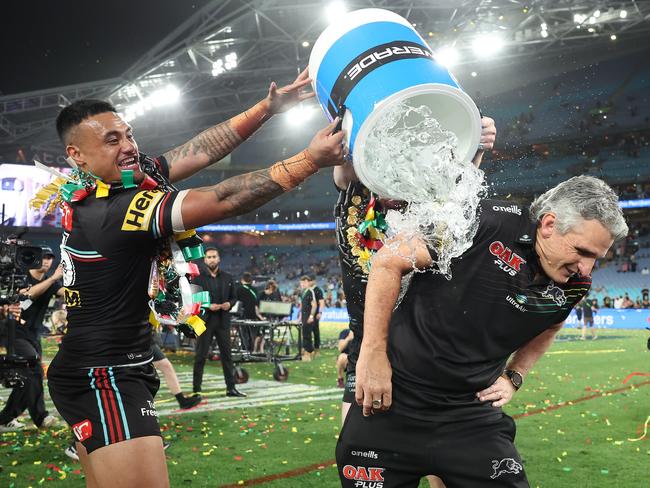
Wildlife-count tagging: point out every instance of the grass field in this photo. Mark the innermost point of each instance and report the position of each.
(578, 424)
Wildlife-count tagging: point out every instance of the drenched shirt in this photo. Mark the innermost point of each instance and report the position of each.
(449, 339)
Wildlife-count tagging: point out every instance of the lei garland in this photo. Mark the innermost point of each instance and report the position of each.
(366, 229)
(174, 301)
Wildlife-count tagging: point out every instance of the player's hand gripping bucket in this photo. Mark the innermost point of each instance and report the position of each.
(372, 59)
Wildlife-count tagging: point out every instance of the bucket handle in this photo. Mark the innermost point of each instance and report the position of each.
(340, 114)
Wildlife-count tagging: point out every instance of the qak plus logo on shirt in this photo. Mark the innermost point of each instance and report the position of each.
(507, 260)
(555, 293)
(364, 477)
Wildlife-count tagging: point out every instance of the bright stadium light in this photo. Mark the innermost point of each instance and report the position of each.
(623, 14)
(231, 61)
(334, 11)
(447, 56)
(488, 45)
(300, 114)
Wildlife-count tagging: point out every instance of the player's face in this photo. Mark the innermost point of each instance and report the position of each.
(103, 145)
(563, 255)
(304, 284)
(212, 260)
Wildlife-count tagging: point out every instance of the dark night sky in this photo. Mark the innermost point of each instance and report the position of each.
(49, 43)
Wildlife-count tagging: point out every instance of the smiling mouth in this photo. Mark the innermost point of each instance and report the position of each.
(129, 163)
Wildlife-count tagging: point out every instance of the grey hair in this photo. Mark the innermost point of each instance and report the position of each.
(581, 198)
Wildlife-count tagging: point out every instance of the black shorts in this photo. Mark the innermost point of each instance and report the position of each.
(388, 450)
(350, 383)
(158, 355)
(106, 405)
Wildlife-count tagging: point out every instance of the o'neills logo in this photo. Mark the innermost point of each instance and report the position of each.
(364, 477)
(509, 261)
(513, 209)
(366, 454)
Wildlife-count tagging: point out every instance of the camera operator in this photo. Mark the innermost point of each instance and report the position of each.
(29, 396)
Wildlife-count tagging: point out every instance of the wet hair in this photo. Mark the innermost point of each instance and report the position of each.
(212, 248)
(75, 113)
(581, 198)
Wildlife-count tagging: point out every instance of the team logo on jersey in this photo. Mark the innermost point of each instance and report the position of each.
(364, 477)
(505, 466)
(72, 298)
(83, 430)
(141, 209)
(555, 293)
(507, 260)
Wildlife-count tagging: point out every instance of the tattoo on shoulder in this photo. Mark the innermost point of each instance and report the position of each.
(215, 142)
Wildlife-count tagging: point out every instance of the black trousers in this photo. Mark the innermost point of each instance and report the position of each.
(307, 332)
(29, 396)
(316, 330)
(220, 331)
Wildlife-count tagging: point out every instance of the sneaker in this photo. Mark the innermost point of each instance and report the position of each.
(339, 383)
(12, 426)
(49, 421)
(71, 452)
(166, 445)
(189, 402)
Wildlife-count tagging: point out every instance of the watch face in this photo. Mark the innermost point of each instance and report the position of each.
(516, 378)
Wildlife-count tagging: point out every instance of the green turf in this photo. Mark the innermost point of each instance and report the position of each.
(586, 444)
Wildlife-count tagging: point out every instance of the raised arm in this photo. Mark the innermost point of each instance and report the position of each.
(241, 194)
(488, 136)
(391, 262)
(215, 143)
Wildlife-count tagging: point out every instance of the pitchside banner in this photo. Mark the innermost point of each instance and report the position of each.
(608, 318)
(611, 318)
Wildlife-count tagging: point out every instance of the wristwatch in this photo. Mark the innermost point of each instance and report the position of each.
(515, 377)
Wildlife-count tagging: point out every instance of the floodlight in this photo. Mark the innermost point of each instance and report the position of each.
(334, 11)
(447, 56)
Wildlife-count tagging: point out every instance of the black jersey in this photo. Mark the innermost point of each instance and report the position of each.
(449, 339)
(307, 299)
(348, 213)
(247, 295)
(107, 249)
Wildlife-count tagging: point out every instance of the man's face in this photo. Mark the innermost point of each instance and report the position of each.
(304, 284)
(212, 260)
(575, 252)
(46, 264)
(103, 145)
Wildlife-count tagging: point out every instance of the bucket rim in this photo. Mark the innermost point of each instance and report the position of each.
(465, 100)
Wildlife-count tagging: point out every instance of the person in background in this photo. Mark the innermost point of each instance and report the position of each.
(308, 307)
(221, 288)
(345, 337)
(253, 336)
(30, 396)
(320, 307)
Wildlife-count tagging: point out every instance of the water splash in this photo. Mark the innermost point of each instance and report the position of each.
(409, 153)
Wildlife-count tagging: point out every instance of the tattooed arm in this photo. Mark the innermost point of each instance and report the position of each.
(217, 142)
(198, 153)
(241, 194)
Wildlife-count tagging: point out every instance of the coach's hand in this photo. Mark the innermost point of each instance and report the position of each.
(374, 388)
(499, 393)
